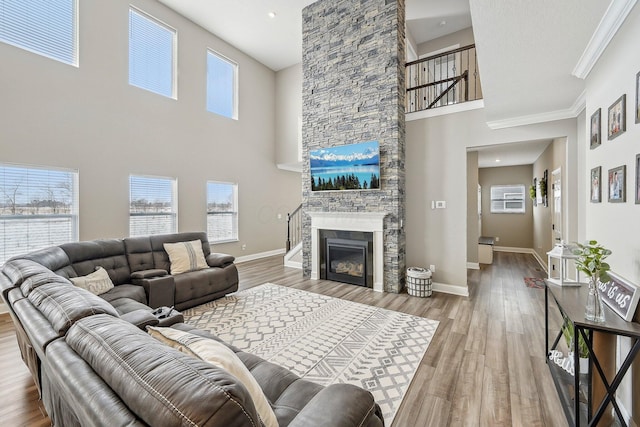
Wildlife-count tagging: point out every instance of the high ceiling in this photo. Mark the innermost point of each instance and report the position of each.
(527, 50)
(277, 42)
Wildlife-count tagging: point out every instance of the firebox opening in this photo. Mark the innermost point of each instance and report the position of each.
(347, 257)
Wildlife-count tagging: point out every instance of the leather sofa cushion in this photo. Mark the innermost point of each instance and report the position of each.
(108, 254)
(220, 355)
(65, 305)
(127, 305)
(20, 269)
(147, 252)
(43, 278)
(133, 292)
(161, 385)
(196, 284)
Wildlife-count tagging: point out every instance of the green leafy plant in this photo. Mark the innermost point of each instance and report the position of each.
(567, 331)
(532, 192)
(590, 260)
(542, 184)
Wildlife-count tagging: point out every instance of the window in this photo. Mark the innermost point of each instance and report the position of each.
(221, 86)
(507, 199)
(38, 208)
(46, 27)
(152, 53)
(152, 205)
(222, 212)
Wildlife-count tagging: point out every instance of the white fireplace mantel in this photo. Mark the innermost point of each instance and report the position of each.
(371, 222)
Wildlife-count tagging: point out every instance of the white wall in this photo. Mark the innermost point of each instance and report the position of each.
(435, 167)
(615, 224)
(89, 118)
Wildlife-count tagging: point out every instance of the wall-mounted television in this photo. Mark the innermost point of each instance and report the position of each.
(346, 167)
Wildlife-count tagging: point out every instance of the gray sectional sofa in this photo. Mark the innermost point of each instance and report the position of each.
(95, 365)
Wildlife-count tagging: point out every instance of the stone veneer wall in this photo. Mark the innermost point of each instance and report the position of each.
(354, 91)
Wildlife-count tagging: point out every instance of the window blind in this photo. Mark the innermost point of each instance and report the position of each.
(38, 208)
(507, 199)
(152, 205)
(222, 211)
(151, 54)
(45, 27)
(221, 85)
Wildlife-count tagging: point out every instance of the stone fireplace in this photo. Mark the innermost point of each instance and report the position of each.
(353, 55)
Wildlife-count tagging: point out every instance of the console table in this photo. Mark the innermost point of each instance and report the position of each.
(571, 302)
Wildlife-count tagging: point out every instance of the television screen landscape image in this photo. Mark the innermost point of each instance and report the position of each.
(346, 167)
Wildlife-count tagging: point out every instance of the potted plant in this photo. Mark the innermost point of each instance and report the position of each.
(583, 351)
(590, 260)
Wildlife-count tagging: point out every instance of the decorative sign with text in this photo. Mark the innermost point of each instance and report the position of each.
(621, 295)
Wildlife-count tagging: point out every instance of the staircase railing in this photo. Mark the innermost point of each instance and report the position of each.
(444, 79)
(294, 228)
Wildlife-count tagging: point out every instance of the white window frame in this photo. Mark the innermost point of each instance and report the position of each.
(174, 53)
(30, 31)
(508, 199)
(36, 220)
(236, 70)
(173, 206)
(233, 212)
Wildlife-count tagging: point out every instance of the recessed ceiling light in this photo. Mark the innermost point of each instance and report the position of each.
(271, 14)
(497, 160)
(443, 23)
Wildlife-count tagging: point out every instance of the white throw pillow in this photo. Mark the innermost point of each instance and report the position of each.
(97, 282)
(220, 355)
(185, 256)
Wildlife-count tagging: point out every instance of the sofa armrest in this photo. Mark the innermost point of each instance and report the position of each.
(340, 405)
(160, 291)
(140, 318)
(219, 260)
(147, 274)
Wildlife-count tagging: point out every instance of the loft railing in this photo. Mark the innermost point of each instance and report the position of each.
(294, 228)
(444, 79)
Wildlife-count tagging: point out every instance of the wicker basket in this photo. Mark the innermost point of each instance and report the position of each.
(419, 282)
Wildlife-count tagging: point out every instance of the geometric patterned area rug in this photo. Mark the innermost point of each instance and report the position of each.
(323, 339)
(534, 282)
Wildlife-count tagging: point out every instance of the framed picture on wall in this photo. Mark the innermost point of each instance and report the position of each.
(637, 179)
(638, 98)
(595, 129)
(617, 123)
(617, 179)
(596, 187)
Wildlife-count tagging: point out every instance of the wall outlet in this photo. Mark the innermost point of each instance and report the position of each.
(244, 247)
(432, 267)
(497, 239)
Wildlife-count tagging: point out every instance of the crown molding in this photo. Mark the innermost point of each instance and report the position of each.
(613, 18)
(572, 112)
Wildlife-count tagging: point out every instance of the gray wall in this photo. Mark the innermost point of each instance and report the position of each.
(473, 229)
(89, 118)
(353, 91)
(513, 230)
(289, 115)
(435, 169)
(615, 224)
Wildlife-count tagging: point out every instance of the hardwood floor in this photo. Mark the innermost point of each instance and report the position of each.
(485, 365)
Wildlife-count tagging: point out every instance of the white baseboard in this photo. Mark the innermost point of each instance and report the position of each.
(462, 291)
(515, 250)
(541, 262)
(473, 266)
(288, 261)
(259, 255)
